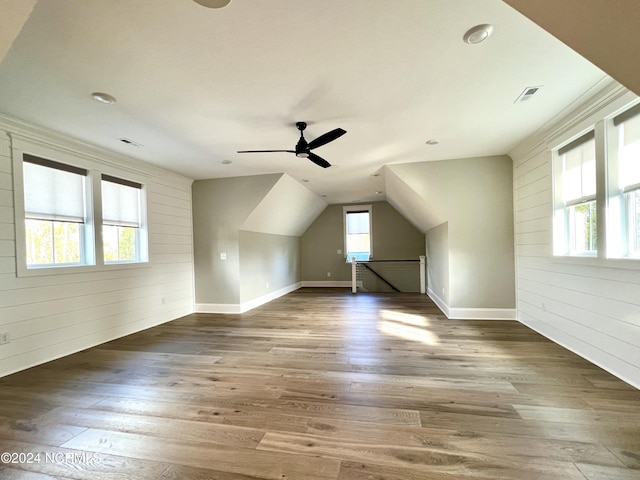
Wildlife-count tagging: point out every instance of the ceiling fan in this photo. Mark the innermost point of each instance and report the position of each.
(303, 148)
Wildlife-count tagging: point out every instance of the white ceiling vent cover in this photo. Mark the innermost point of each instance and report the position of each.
(527, 94)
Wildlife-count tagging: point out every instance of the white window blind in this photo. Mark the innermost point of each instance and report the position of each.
(53, 191)
(357, 222)
(579, 170)
(628, 124)
(120, 202)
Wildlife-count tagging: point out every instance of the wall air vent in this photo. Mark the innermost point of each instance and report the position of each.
(130, 142)
(527, 94)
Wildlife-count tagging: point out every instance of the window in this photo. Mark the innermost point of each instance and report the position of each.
(55, 213)
(633, 215)
(576, 215)
(121, 220)
(625, 192)
(58, 211)
(357, 228)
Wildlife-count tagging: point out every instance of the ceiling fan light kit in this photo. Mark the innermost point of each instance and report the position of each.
(303, 148)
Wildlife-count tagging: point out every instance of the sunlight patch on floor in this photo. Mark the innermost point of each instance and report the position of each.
(407, 326)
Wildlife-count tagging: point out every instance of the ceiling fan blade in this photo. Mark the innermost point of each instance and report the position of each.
(265, 151)
(318, 160)
(326, 138)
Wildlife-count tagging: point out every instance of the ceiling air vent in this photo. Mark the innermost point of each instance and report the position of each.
(527, 94)
(128, 141)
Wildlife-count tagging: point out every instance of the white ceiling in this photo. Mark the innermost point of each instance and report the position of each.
(195, 84)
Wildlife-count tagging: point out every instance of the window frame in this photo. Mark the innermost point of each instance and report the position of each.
(612, 211)
(141, 232)
(563, 235)
(355, 209)
(93, 246)
(631, 230)
(86, 251)
(620, 227)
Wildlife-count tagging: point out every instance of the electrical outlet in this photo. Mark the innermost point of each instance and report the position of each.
(5, 337)
(267, 284)
(328, 274)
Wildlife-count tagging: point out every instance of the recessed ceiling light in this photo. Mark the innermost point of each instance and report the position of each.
(433, 141)
(379, 192)
(478, 34)
(323, 196)
(104, 98)
(375, 174)
(304, 180)
(226, 162)
(213, 3)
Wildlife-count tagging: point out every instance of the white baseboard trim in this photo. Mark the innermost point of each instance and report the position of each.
(256, 302)
(327, 283)
(455, 313)
(237, 308)
(442, 305)
(218, 308)
(482, 313)
(623, 370)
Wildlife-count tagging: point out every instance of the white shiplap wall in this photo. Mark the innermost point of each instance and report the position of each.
(51, 316)
(591, 306)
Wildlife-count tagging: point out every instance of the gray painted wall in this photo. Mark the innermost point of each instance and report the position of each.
(475, 196)
(393, 238)
(267, 263)
(437, 240)
(220, 206)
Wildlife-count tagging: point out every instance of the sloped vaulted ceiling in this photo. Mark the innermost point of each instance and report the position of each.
(288, 209)
(603, 32)
(14, 15)
(195, 85)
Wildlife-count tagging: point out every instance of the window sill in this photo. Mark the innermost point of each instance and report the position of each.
(621, 263)
(77, 269)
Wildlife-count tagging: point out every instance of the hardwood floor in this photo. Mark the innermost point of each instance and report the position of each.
(322, 384)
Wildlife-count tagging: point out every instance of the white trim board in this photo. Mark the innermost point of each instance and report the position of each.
(615, 366)
(455, 313)
(238, 308)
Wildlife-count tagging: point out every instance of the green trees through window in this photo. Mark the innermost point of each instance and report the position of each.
(52, 243)
(584, 223)
(119, 243)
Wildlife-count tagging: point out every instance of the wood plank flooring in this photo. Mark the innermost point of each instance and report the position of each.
(318, 385)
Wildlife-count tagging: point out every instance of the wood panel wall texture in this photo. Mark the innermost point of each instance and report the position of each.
(592, 308)
(54, 315)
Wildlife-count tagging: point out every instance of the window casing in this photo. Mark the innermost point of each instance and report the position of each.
(596, 185)
(121, 220)
(59, 211)
(358, 232)
(576, 204)
(632, 204)
(57, 230)
(624, 183)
